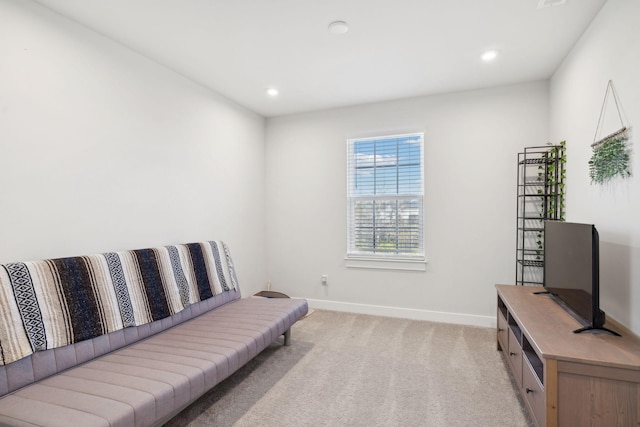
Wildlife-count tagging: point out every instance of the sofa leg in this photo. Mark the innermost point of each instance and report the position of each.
(287, 337)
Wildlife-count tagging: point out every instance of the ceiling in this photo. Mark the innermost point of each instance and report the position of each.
(393, 49)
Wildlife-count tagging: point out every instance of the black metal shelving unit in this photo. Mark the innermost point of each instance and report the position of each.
(540, 183)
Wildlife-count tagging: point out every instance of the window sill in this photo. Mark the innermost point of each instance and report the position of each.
(386, 263)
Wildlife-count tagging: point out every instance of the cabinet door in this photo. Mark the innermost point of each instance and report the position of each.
(533, 393)
(514, 356)
(502, 332)
(609, 401)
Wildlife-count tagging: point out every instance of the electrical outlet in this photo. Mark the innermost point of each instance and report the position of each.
(325, 279)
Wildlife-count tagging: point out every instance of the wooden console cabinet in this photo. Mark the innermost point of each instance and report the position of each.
(567, 379)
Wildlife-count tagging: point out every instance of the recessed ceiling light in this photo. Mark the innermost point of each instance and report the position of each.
(338, 27)
(489, 55)
(272, 91)
(548, 3)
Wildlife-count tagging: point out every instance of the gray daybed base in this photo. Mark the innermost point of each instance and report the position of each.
(144, 375)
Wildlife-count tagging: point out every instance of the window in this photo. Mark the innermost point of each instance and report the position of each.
(385, 189)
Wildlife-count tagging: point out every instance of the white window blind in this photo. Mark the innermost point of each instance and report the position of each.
(385, 190)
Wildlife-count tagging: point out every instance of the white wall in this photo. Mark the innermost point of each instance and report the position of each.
(471, 145)
(609, 49)
(102, 149)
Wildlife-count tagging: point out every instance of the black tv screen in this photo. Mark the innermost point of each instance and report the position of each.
(571, 269)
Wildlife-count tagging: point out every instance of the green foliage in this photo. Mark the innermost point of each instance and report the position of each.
(556, 175)
(610, 158)
(552, 175)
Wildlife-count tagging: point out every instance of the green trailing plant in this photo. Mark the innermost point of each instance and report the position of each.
(610, 158)
(552, 173)
(556, 175)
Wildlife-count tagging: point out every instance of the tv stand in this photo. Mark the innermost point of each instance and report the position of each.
(566, 378)
(593, 328)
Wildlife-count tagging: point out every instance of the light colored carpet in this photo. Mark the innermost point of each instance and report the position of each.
(346, 369)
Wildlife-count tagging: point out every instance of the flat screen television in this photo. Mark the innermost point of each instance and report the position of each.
(572, 271)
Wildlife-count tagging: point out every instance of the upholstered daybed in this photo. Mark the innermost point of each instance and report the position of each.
(126, 338)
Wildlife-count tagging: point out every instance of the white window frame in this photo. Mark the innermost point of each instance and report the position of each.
(357, 258)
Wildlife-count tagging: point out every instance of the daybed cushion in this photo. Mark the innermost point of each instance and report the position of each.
(151, 380)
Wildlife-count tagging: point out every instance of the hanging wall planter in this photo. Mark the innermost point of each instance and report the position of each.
(610, 156)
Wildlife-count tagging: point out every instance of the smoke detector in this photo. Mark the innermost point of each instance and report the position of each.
(548, 3)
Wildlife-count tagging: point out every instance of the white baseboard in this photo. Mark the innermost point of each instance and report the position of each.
(404, 313)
